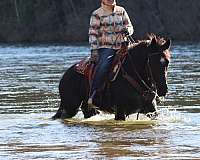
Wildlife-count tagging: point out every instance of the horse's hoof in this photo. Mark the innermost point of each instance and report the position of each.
(152, 116)
(89, 112)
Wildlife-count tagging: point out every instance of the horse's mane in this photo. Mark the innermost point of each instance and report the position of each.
(160, 41)
(145, 42)
(139, 43)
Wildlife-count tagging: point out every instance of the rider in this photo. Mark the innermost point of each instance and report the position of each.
(105, 37)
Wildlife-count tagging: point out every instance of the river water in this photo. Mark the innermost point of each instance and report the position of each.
(29, 78)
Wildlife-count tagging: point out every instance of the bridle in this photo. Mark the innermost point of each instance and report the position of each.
(142, 87)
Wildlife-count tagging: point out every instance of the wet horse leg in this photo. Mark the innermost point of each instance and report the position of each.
(88, 111)
(59, 111)
(119, 114)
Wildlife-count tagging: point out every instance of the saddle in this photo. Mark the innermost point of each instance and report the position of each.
(84, 67)
(87, 68)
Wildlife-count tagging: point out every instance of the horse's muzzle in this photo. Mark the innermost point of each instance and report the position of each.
(152, 115)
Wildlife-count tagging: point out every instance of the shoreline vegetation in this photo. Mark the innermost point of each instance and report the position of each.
(66, 21)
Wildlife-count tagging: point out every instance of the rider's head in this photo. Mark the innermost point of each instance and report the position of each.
(109, 2)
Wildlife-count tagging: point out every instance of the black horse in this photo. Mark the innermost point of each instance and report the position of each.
(141, 79)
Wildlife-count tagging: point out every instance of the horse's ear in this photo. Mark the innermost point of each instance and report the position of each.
(166, 45)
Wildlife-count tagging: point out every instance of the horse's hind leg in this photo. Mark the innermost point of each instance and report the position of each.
(88, 111)
(69, 113)
(69, 106)
(65, 112)
(58, 113)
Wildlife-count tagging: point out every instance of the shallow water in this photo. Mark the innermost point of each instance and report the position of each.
(29, 77)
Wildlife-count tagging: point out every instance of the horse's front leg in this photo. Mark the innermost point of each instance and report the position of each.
(88, 111)
(120, 114)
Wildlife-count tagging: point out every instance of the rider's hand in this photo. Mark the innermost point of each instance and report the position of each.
(125, 31)
(94, 56)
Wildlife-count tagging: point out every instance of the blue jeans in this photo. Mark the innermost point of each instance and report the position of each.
(103, 66)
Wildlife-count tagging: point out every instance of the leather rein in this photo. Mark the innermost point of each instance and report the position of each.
(144, 88)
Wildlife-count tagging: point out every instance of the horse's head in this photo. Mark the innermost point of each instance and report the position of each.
(146, 70)
(158, 59)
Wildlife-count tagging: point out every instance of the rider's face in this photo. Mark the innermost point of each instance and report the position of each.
(109, 2)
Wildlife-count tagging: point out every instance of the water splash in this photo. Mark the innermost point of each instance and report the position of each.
(104, 116)
(169, 114)
(104, 119)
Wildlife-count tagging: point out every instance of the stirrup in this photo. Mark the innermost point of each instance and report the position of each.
(89, 101)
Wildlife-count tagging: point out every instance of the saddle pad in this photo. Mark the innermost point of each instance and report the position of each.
(83, 66)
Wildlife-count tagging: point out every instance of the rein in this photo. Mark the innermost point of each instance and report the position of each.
(148, 89)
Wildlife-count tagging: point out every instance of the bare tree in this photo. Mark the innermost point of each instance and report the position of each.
(74, 10)
(17, 11)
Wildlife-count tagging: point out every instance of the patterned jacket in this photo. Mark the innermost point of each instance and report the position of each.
(106, 26)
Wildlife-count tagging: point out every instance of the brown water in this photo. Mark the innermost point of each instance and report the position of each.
(29, 77)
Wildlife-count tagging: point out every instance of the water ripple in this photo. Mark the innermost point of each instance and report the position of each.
(29, 78)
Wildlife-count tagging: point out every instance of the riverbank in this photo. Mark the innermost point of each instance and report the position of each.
(67, 21)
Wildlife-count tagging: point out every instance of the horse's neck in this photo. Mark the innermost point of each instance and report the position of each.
(135, 62)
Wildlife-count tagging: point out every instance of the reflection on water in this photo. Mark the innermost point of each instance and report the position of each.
(29, 77)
